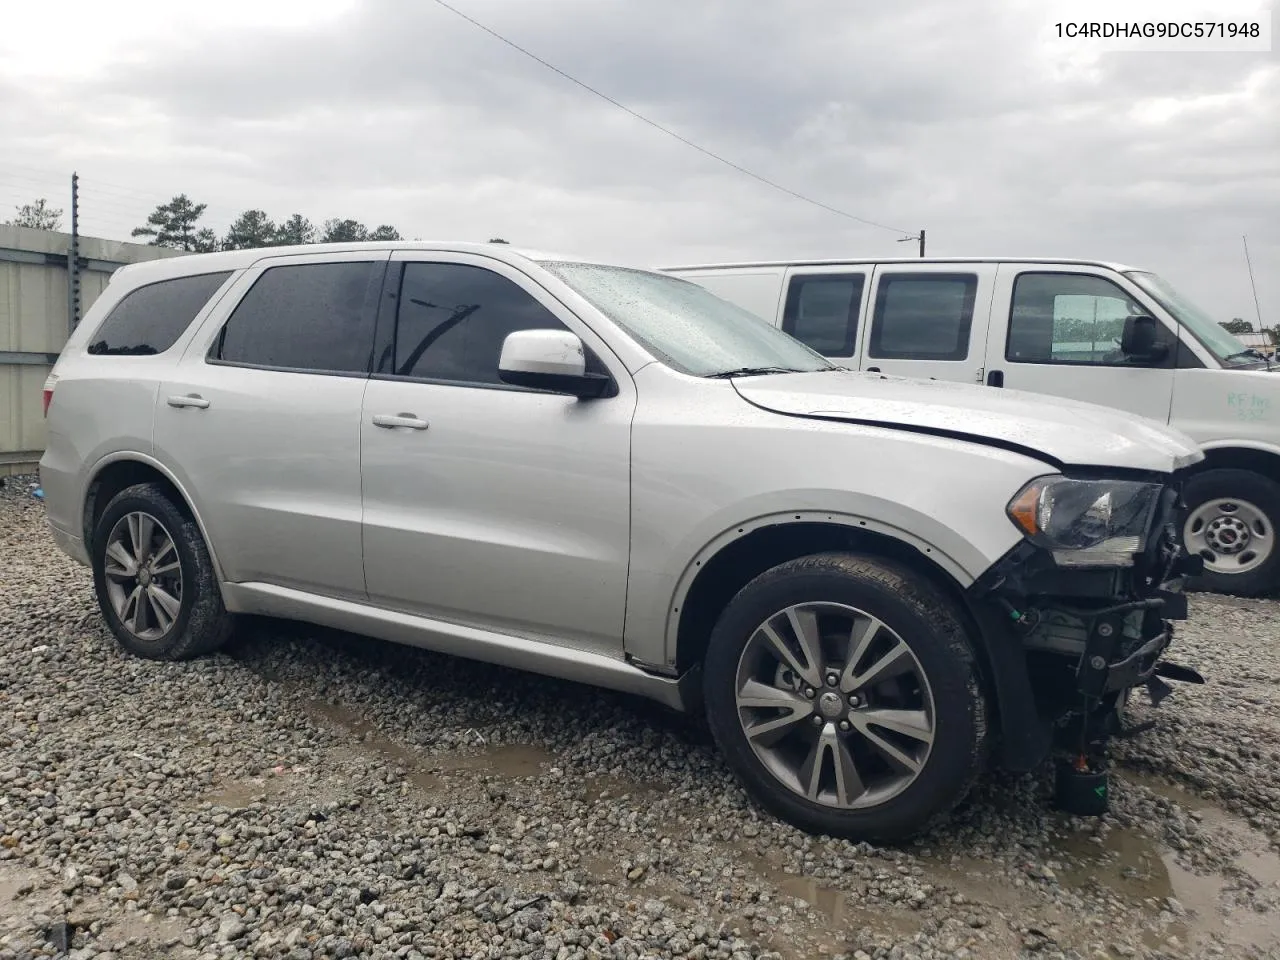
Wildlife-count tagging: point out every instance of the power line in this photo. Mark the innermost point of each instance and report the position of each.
(668, 131)
(47, 177)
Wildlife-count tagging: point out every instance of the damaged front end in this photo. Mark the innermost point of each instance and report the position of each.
(1080, 614)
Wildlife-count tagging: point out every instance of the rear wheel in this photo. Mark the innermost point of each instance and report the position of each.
(154, 578)
(1232, 518)
(843, 692)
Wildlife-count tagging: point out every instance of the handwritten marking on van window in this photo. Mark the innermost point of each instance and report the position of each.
(1249, 406)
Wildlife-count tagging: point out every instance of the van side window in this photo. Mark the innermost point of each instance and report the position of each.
(314, 317)
(1067, 318)
(822, 312)
(923, 316)
(452, 320)
(150, 319)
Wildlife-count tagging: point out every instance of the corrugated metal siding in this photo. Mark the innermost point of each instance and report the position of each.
(33, 319)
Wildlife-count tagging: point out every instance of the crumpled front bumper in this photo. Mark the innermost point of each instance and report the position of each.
(1131, 671)
(1064, 645)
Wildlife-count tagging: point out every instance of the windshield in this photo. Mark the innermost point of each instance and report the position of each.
(1221, 344)
(686, 326)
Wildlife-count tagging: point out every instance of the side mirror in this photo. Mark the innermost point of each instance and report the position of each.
(554, 360)
(1138, 341)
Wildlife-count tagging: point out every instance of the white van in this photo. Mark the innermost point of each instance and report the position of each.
(1081, 329)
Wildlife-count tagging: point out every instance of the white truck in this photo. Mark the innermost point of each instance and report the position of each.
(1078, 329)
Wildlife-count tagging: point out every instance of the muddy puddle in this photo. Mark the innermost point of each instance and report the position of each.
(828, 913)
(804, 918)
(26, 893)
(142, 928)
(608, 787)
(15, 881)
(1137, 868)
(426, 772)
(242, 793)
(832, 905)
(1209, 898)
(508, 761)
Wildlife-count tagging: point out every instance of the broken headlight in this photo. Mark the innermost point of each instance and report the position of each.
(1086, 523)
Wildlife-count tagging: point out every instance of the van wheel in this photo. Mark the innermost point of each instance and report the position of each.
(1232, 518)
(154, 578)
(843, 692)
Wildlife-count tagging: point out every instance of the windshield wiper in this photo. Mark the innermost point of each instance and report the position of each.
(750, 372)
(1251, 353)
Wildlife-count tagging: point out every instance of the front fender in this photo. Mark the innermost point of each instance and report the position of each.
(697, 481)
(658, 592)
(960, 558)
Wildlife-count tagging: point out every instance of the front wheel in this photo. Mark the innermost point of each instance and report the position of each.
(843, 692)
(1232, 518)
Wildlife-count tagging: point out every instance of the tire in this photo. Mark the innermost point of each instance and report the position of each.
(1249, 504)
(912, 612)
(198, 623)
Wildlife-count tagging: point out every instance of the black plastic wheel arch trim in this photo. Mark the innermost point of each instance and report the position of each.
(1026, 737)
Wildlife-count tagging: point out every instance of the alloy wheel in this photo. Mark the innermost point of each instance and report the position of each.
(835, 704)
(143, 575)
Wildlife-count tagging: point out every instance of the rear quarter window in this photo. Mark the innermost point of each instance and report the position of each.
(150, 319)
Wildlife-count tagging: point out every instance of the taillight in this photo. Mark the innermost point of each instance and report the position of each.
(48, 393)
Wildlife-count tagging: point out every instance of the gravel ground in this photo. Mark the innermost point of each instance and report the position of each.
(310, 795)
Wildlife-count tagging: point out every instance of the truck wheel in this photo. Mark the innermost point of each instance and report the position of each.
(843, 692)
(1232, 518)
(154, 578)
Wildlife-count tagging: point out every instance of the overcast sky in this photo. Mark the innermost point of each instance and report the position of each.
(962, 118)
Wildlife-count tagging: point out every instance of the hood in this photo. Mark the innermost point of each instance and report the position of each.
(1063, 433)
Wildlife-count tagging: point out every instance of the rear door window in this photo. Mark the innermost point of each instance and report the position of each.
(923, 316)
(150, 319)
(314, 317)
(822, 311)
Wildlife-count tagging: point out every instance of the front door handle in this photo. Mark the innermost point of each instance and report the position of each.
(873, 369)
(190, 400)
(995, 378)
(391, 421)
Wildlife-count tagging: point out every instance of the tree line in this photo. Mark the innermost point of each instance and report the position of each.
(176, 224)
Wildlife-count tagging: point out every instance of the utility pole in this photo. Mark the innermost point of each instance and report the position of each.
(1248, 263)
(73, 257)
(919, 236)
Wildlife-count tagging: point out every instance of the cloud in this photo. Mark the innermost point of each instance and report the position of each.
(961, 118)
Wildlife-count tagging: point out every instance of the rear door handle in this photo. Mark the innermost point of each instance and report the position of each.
(995, 378)
(190, 400)
(873, 369)
(391, 421)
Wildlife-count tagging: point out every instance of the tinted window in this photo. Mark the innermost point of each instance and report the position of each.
(1067, 318)
(454, 318)
(152, 318)
(822, 311)
(923, 316)
(315, 316)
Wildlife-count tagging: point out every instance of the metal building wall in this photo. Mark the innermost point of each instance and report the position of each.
(35, 322)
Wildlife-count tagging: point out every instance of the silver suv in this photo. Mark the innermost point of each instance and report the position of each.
(872, 585)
